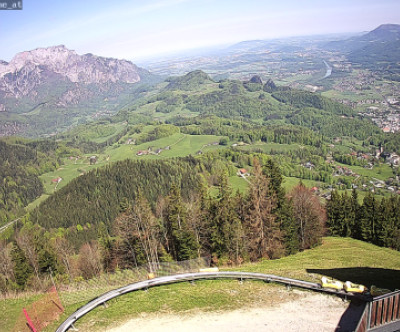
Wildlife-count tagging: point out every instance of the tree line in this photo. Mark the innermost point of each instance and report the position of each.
(375, 221)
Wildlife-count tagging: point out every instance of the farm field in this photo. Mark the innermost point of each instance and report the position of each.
(381, 172)
(290, 182)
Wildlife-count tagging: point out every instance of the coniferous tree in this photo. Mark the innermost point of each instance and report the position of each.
(47, 257)
(127, 247)
(355, 206)
(182, 241)
(396, 214)
(290, 231)
(199, 218)
(369, 215)
(22, 270)
(225, 224)
(26, 242)
(334, 214)
(106, 246)
(283, 209)
(348, 217)
(386, 224)
(219, 216)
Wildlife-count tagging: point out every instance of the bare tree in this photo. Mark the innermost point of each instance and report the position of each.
(125, 246)
(25, 240)
(265, 238)
(89, 260)
(309, 216)
(6, 263)
(146, 229)
(64, 251)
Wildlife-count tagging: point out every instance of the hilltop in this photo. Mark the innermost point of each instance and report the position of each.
(382, 34)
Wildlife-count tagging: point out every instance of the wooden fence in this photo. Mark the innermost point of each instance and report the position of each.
(382, 310)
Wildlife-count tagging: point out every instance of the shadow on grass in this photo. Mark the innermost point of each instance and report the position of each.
(368, 276)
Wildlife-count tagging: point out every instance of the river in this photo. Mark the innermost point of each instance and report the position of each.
(328, 70)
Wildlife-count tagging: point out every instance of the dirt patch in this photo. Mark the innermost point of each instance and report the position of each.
(307, 312)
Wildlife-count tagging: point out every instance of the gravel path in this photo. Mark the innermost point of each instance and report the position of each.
(311, 312)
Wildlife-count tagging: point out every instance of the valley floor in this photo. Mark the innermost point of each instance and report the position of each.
(304, 311)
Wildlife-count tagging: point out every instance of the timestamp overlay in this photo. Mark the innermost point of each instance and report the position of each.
(10, 5)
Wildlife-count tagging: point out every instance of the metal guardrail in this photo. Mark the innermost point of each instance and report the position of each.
(102, 299)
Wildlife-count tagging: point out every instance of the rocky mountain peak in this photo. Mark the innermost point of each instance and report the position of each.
(59, 59)
(57, 80)
(40, 56)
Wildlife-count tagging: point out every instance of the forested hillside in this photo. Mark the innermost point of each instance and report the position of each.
(21, 162)
(100, 195)
(251, 101)
(134, 213)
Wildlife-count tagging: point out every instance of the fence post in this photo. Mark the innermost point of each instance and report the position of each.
(369, 305)
(55, 287)
(28, 319)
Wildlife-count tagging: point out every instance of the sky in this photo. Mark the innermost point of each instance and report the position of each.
(138, 30)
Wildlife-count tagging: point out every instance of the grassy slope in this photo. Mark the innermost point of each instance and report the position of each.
(381, 172)
(289, 182)
(342, 258)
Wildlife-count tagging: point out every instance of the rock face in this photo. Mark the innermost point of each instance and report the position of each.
(49, 89)
(269, 86)
(29, 69)
(256, 79)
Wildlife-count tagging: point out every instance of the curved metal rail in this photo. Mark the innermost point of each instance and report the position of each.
(191, 277)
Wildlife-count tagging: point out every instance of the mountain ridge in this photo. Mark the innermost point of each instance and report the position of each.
(45, 82)
(383, 33)
(86, 68)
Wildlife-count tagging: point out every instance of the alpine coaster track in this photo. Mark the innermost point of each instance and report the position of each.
(102, 299)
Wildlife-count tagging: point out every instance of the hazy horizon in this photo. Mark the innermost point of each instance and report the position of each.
(135, 31)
